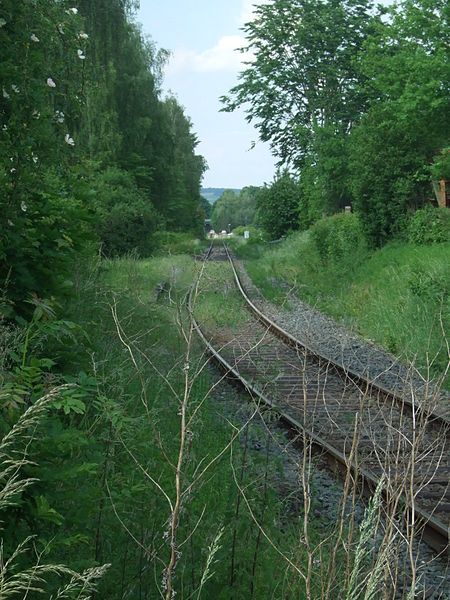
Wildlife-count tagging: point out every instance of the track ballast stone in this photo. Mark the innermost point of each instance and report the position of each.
(324, 335)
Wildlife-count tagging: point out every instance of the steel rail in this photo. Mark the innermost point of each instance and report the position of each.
(434, 532)
(345, 371)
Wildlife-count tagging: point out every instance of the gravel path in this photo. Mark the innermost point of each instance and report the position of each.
(324, 335)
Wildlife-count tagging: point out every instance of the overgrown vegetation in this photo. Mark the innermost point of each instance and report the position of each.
(90, 151)
(103, 481)
(233, 209)
(397, 296)
(353, 99)
(111, 450)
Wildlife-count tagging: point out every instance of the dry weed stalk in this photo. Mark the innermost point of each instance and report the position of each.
(12, 484)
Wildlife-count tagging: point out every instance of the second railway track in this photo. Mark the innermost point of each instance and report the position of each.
(360, 425)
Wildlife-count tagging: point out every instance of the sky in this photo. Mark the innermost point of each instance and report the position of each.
(202, 36)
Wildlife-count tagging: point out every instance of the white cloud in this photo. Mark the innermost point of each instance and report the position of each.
(221, 57)
(248, 7)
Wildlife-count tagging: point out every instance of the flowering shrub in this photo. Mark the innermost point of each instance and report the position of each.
(41, 99)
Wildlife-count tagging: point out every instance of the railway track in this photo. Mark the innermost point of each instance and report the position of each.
(360, 425)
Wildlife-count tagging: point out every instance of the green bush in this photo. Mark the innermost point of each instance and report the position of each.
(339, 237)
(171, 242)
(255, 233)
(429, 225)
(441, 166)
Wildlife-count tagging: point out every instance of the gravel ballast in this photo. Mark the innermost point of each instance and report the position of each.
(325, 336)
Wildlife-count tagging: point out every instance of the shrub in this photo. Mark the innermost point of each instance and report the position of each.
(278, 206)
(339, 237)
(171, 242)
(429, 225)
(255, 233)
(441, 166)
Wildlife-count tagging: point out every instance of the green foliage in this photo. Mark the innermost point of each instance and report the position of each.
(353, 97)
(440, 168)
(44, 226)
(89, 153)
(339, 239)
(303, 75)
(213, 194)
(233, 209)
(278, 206)
(397, 296)
(394, 144)
(170, 242)
(429, 226)
(254, 232)
(125, 219)
(303, 93)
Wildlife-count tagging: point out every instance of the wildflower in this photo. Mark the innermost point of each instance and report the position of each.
(5, 127)
(72, 11)
(60, 28)
(69, 140)
(51, 83)
(59, 116)
(83, 36)
(81, 55)
(34, 157)
(34, 38)
(2, 22)
(36, 114)
(13, 170)
(23, 206)
(5, 94)
(15, 89)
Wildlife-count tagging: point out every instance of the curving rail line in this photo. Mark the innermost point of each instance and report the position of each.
(322, 399)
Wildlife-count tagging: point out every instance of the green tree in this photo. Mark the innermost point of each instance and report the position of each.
(278, 206)
(392, 148)
(43, 227)
(303, 77)
(234, 209)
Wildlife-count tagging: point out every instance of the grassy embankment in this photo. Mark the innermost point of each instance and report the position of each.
(109, 486)
(398, 296)
(142, 381)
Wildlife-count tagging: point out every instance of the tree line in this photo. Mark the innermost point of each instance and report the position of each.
(91, 153)
(353, 98)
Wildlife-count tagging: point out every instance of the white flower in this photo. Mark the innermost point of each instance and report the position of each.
(5, 127)
(5, 94)
(69, 140)
(10, 223)
(34, 158)
(13, 170)
(60, 29)
(34, 38)
(23, 206)
(59, 116)
(81, 55)
(36, 114)
(51, 83)
(2, 22)
(83, 36)
(72, 11)
(15, 89)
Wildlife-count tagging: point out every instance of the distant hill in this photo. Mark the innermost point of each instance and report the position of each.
(212, 194)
